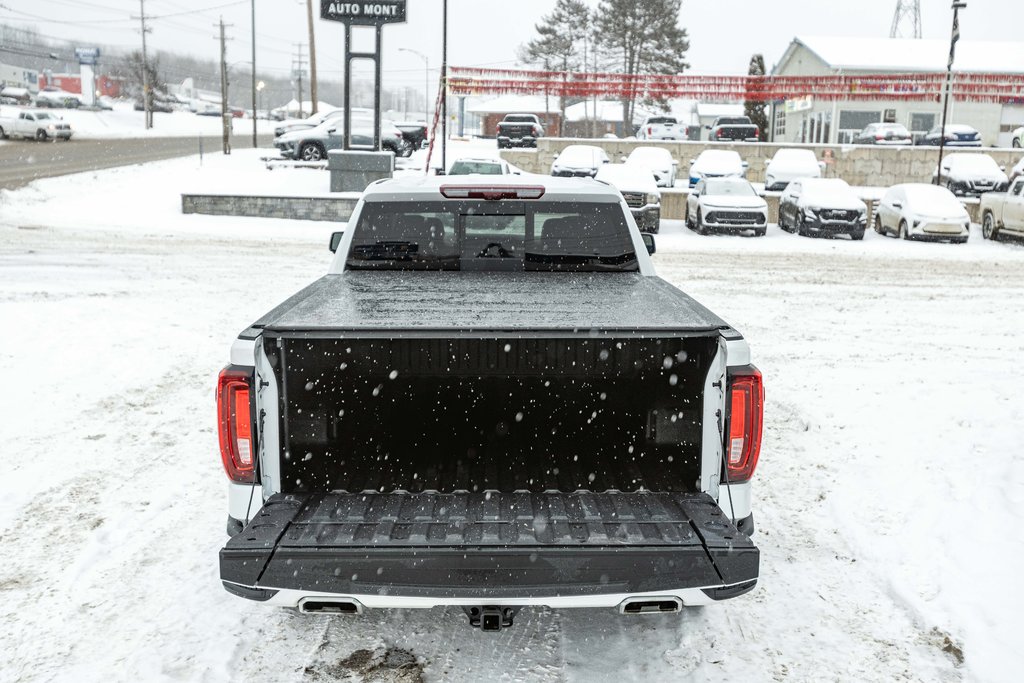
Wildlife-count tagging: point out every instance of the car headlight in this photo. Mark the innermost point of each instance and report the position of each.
(52, 127)
(809, 214)
(556, 169)
(653, 198)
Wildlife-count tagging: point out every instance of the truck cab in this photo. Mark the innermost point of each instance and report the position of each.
(490, 401)
(1002, 213)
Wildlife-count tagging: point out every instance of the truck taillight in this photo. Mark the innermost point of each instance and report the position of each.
(743, 428)
(650, 130)
(235, 423)
(757, 132)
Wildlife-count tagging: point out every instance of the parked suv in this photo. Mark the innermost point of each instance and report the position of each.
(661, 128)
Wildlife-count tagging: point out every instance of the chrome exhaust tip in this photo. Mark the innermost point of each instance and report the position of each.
(330, 606)
(651, 605)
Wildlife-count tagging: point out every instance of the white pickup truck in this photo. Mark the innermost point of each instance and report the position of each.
(36, 125)
(1003, 212)
(490, 401)
(661, 128)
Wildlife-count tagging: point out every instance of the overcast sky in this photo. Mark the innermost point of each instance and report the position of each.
(723, 33)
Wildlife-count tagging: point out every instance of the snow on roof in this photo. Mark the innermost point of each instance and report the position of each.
(607, 110)
(909, 54)
(512, 104)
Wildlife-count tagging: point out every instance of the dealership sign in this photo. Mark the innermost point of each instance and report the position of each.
(365, 13)
(87, 55)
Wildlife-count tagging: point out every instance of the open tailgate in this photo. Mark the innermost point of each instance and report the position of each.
(489, 545)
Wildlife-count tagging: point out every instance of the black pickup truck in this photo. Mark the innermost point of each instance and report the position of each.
(491, 401)
(519, 130)
(735, 129)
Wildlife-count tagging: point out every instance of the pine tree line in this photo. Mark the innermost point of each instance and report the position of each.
(619, 36)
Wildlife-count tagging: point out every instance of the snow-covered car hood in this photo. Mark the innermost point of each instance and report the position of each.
(628, 178)
(733, 202)
(973, 176)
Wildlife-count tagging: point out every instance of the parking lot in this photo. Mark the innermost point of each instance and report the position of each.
(885, 362)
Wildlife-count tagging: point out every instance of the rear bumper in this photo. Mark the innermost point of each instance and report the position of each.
(528, 141)
(422, 550)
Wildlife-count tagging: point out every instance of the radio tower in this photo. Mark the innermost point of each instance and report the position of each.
(906, 22)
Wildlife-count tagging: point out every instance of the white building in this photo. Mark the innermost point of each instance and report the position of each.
(19, 77)
(808, 120)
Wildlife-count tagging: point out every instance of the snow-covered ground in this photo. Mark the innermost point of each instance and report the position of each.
(125, 122)
(889, 498)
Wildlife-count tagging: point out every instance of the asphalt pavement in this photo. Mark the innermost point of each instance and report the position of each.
(22, 161)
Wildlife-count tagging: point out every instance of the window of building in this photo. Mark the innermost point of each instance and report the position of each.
(780, 123)
(853, 122)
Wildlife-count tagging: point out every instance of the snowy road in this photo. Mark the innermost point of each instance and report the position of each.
(888, 499)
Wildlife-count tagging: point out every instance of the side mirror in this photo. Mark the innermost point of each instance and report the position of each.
(336, 241)
(744, 164)
(821, 165)
(1002, 168)
(692, 162)
(622, 160)
(332, 131)
(648, 239)
(707, 127)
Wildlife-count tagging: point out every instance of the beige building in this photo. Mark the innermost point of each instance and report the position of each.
(812, 121)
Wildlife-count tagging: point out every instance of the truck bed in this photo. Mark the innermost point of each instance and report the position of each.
(462, 303)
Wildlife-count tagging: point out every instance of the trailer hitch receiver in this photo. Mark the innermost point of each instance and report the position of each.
(491, 618)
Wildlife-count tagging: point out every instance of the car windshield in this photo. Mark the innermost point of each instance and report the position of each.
(828, 191)
(728, 188)
(795, 157)
(933, 200)
(475, 168)
(42, 116)
(506, 236)
(980, 163)
(579, 155)
(662, 119)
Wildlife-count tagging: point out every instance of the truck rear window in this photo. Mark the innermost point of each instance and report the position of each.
(505, 236)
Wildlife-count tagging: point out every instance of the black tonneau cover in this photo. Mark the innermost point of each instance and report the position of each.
(365, 301)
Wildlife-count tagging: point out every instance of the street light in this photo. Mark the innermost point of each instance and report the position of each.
(954, 37)
(426, 82)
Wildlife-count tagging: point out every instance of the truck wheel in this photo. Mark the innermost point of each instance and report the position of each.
(988, 227)
(1016, 143)
(857, 235)
(311, 152)
(41, 135)
(760, 232)
(3, 135)
(904, 231)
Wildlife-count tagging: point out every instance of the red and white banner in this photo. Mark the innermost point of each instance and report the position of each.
(920, 87)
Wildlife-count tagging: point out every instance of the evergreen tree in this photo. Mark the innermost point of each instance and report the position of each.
(134, 81)
(643, 38)
(559, 44)
(752, 108)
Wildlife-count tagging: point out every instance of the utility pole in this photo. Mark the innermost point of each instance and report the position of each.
(225, 116)
(253, 2)
(298, 63)
(444, 87)
(312, 57)
(957, 6)
(147, 111)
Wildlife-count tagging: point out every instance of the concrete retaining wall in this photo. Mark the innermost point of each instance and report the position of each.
(867, 166)
(337, 209)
